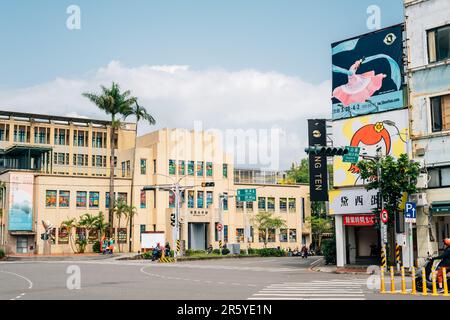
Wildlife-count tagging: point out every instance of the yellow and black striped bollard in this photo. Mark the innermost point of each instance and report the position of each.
(383, 258)
(398, 255)
(178, 246)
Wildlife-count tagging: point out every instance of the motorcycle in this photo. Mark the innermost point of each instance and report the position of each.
(429, 266)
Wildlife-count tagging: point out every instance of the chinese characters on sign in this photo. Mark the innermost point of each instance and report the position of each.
(359, 220)
(353, 201)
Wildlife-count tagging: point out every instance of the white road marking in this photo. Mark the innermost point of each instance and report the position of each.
(327, 290)
(30, 283)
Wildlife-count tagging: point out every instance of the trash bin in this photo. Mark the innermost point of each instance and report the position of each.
(235, 248)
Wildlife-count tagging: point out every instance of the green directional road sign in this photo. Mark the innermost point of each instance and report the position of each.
(352, 156)
(246, 195)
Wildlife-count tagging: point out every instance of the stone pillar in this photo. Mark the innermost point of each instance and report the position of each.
(340, 241)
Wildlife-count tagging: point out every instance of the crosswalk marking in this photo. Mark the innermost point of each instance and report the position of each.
(338, 289)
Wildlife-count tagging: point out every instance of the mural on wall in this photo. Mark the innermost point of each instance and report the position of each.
(20, 216)
(367, 73)
(387, 131)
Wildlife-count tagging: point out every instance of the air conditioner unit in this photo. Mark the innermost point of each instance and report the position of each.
(422, 181)
(420, 199)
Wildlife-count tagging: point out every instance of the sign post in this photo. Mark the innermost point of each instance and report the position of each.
(246, 195)
(411, 217)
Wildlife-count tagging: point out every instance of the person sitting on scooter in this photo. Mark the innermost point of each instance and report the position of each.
(445, 262)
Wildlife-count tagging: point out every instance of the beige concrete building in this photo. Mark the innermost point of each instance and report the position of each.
(57, 168)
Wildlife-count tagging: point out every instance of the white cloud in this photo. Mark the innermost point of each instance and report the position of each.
(178, 95)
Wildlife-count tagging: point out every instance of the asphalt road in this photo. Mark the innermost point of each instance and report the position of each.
(230, 279)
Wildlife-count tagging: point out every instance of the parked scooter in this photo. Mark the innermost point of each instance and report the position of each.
(429, 268)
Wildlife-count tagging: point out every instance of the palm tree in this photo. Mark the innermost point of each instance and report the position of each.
(129, 214)
(120, 210)
(69, 224)
(140, 113)
(101, 225)
(114, 103)
(87, 221)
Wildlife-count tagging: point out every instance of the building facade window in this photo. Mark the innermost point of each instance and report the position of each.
(200, 169)
(439, 177)
(81, 199)
(262, 235)
(122, 196)
(292, 204)
(94, 200)
(42, 135)
(271, 204)
(191, 199)
(239, 235)
(283, 204)
(61, 159)
(209, 169)
(143, 199)
(225, 233)
(181, 168)
(50, 199)
(171, 199)
(271, 235)
(439, 44)
(172, 167)
(239, 205)
(99, 161)
(64, 199)
(21, 133)
(99, 139)
(225, 170)
(261, 203)
(440, 113)
(191, 168)
(4, 132)
(80, 160)
(200, 199)
(80, 138)
(292, 235)
(143, 166)
(225, 201)
(249, 205)
(283, 235)
(61, 137)
(209, 198)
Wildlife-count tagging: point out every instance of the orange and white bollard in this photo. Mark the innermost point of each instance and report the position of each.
(392, 280)
(424, 283)
(446, 294)
(382, 283)
(413, 281)
(435, 293)
(403, 280)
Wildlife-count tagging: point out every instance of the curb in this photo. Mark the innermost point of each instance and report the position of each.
(59, 258)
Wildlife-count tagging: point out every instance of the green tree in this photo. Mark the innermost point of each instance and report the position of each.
(299, 173)
(141, 114)
(88, 222)
(265, 221)
(120, 210)
(114, 103)
(101, 225)
(397, 178)
(319, 226)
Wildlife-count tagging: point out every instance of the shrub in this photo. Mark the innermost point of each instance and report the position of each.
(147, 255)
(225, 251)
(216, 251)
(96, 247)
(2, 253)
(271, 252)
(329, 251)
(190, 252)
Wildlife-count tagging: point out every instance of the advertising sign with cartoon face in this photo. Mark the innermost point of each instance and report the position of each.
(388, 131)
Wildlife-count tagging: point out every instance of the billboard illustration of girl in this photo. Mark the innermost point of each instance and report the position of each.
(369, 138)
(360, 87)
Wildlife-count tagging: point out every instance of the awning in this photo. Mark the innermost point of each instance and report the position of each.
(22, 233)
(440, 208)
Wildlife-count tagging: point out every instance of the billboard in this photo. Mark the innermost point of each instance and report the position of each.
(388, 130)
(367, 73)
(353, 201)
(20, 216)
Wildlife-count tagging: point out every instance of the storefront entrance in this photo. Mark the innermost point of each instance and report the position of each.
(198, 236)
(22, 244)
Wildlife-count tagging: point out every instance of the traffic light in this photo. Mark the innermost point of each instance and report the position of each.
(326, 151)
(172, 219)
(44, 236)
(208, 184)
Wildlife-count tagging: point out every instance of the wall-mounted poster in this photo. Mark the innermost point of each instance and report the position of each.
(20, 216)
(367, 73)
(388, 131)
(143, 199)
(63, 236)
(122, 235)
(94, 199)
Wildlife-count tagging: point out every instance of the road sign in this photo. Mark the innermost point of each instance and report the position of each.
(384, 216)
(219, 227)
(384, 233)
(410, 212)
(246, 195)
(352, 156)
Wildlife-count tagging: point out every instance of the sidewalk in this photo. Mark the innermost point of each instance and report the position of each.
(68, 257)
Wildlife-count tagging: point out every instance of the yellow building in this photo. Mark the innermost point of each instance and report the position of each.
(57, 168)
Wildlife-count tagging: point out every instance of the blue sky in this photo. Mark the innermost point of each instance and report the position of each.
(288, 36)
(231, 64)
